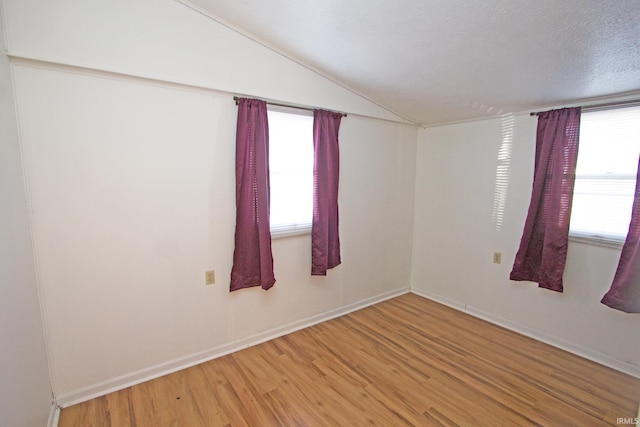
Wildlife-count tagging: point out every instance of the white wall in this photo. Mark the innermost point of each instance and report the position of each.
(131, 199)
(25, 394)
(462, 216)
(131, 187)
(165, 40)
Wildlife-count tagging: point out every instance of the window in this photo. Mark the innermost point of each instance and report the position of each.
(291, 172)
(606, 174)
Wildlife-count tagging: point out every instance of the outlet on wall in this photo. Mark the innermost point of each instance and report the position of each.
(210, 277)
(497, 257)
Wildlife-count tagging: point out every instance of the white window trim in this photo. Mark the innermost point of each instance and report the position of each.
(596, 240)
(290, 231)
(608, 241)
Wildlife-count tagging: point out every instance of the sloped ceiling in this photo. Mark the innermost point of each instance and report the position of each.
(445, 61)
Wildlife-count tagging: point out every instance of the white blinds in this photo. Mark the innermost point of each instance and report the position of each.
(606, 172)
(290, 171)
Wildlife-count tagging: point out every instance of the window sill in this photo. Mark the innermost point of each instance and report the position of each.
(607, 242)
(281, 233)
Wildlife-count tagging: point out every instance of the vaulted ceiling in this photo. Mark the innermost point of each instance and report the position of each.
(444, 61)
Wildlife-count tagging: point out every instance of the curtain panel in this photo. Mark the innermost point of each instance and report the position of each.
(542, 253)
(325, 239)
(624, 294)
(252, 257)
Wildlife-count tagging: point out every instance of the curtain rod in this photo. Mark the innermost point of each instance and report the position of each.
(236, 98)
(594, 106)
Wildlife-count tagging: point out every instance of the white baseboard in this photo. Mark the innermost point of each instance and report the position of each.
(100, 389)
(603, 359)
(54, 415)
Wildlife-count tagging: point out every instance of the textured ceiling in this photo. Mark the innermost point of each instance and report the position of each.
(443, 61)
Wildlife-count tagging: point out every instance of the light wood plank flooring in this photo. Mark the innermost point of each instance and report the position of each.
(405, 361)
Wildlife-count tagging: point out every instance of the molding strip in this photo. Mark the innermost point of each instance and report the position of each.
(54, 65)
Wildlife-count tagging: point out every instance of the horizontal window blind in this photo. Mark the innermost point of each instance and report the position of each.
(605, 174)
(290, 171)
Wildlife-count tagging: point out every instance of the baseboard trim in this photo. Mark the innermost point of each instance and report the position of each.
(100, 389)
(594, 356)
(54, 415)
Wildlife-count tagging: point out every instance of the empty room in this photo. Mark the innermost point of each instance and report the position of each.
(295, 213)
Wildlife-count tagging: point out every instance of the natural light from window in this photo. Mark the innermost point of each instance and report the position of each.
(606, 173)
(291, 171)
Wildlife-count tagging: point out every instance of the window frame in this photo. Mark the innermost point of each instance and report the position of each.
(595, 238)
(291, 230)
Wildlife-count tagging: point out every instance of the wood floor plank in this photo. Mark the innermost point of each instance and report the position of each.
(118, 408)
(204, 397)
(404, 361)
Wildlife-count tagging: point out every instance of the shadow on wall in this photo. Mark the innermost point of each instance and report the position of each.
(502, 171)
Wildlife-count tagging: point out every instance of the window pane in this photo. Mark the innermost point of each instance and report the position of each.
(291, 169)
(606, 172)
(602, 207)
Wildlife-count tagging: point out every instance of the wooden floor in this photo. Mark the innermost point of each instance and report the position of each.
(405, 361)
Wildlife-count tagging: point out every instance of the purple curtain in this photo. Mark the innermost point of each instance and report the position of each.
(624, 294)
(325, 241)
(543, 247)
(252, 258)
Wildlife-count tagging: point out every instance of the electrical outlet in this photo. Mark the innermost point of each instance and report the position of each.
(210, 277)
(497, 257)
